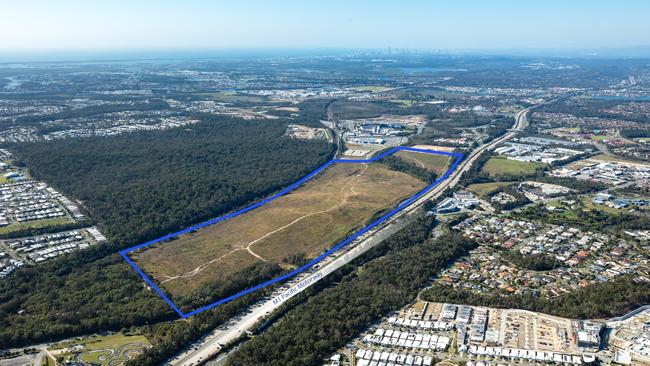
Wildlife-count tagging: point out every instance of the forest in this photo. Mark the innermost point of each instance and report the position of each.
(138, 187)
(603, 300)
(581, 107)
(594, 220)
(74, 298)
(636, 133)
(532, 262)
(144, 185)
(520, 198)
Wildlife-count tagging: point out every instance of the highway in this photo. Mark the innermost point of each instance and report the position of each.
(212, 343)
(521, 121)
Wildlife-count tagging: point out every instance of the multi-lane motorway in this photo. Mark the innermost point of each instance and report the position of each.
(212, 343)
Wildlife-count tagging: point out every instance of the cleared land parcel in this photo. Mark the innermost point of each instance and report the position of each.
(283, 233)
(432, 162)
(500, 167)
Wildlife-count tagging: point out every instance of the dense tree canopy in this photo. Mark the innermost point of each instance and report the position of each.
(533, 262)
(137, 187)
(143, 185)
(597, 301)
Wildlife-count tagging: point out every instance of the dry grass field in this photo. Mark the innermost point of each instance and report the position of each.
(486, 189)
(499, 166)
(431, 162)
(307, 221)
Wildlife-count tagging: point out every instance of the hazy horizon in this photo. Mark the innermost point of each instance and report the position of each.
(155, 27)
(117, 55)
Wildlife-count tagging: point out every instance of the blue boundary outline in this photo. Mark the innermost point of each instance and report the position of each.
(123, 253)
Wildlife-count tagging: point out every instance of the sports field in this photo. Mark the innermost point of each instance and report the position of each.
(302, 223)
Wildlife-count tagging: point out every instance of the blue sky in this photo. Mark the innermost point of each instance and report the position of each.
(432, 24)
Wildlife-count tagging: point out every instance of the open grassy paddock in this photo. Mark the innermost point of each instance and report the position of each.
(35, 224)
(306, 221)
(431, 162)
(403, 102)
(499, 166)
(600, 137)
(373, 88)
(613, 159)
(486, 189)
(232, 97)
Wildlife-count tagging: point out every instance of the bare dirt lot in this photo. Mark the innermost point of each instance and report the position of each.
(306, 222)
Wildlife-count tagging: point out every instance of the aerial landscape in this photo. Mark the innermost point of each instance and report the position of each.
(340, 184)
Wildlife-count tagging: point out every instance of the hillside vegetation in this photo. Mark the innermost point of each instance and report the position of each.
(143, 185)
(140, 186)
